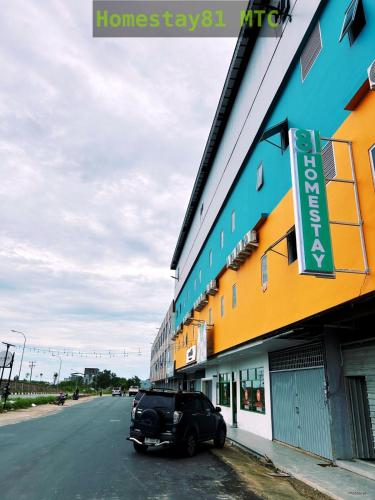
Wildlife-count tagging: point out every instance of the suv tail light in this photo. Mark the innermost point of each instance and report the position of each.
(177, 416)
(133, 412)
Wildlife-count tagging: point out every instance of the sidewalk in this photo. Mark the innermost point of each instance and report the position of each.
(332, 481)
(16, 416)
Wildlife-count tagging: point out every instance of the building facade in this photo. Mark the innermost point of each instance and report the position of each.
(89, 375)
(162, 361)
(285, 348)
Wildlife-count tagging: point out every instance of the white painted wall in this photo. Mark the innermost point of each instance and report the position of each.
(266, 69)
(257, 423)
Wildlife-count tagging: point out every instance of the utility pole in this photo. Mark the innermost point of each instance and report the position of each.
(31, 365)
(6, 362)
(7, 387)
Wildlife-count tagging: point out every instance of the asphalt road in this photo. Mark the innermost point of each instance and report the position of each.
(81, 453)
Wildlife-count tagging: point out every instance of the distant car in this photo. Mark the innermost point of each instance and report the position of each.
(133, 390)
(116, 391)
(137, 397)
(176, 418)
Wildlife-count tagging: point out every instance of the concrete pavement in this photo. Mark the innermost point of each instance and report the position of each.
(81, 453)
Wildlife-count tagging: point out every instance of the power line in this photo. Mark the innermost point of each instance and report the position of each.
(69, 352)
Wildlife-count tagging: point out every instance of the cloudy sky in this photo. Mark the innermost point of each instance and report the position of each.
(100, 141)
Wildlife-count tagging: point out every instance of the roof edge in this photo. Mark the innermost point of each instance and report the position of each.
(241, 55)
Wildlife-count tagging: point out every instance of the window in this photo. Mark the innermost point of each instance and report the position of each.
(264, 271)
(311, 51)
(292, 246)
(210, 258)
(195, 284)
(354, 21)
(233, 221)
(210, 319)
(224, 389)
(329, 163)
(207, 405)
(252, 390)
(200, 276)
(259, 177)
(222, 239)
(234, 296)
(222, 305)
(372, 161)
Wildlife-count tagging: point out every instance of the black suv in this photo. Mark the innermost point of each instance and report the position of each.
(176, 418)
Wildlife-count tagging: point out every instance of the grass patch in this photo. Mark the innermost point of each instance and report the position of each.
(20, 403)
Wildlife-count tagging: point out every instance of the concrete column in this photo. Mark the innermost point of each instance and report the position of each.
(337, 399)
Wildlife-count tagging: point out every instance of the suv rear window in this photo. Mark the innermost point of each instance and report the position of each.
(157, 401)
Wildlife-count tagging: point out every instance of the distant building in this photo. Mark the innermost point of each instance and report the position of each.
(89, 375)
(162, 363)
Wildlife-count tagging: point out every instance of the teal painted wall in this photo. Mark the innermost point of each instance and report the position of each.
(317, 103)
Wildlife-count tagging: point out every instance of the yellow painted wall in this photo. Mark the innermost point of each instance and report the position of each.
(289, 296)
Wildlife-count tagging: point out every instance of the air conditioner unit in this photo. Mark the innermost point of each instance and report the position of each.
(201, 301)
(204, 299)
(188, 318)
(212, 287)
(251, 240)
(232, 262)
(371, 76)
(197, 306)
(242, 250)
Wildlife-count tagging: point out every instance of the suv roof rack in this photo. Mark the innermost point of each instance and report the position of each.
(176, 391)
(162, 389)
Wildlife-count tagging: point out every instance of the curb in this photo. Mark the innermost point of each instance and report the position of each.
(297, 476)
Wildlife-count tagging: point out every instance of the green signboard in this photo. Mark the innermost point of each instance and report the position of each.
(313, 235)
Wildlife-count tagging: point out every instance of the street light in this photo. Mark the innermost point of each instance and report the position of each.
(23, 350)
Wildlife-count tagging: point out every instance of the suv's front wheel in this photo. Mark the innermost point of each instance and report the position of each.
(219, 439)
(140, 448)
(191, 444)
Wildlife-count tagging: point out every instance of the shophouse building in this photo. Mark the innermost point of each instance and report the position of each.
(274, 298)
(162, 364)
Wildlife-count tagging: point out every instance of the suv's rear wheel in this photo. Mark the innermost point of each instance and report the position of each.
(140, 448)
(191, 444)
(219, 439)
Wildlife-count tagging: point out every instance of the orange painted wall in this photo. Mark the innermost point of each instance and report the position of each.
(289, 296)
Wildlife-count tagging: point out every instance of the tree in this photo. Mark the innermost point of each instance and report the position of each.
(104, 379)
(55, 375)
(133, 381)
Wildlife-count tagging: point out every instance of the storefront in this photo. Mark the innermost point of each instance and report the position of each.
(359, 371)
(300, 413)
(240, 386)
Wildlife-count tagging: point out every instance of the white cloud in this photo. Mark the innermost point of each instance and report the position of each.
(100, 140)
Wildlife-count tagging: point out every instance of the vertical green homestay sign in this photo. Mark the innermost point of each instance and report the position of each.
(313, 235)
